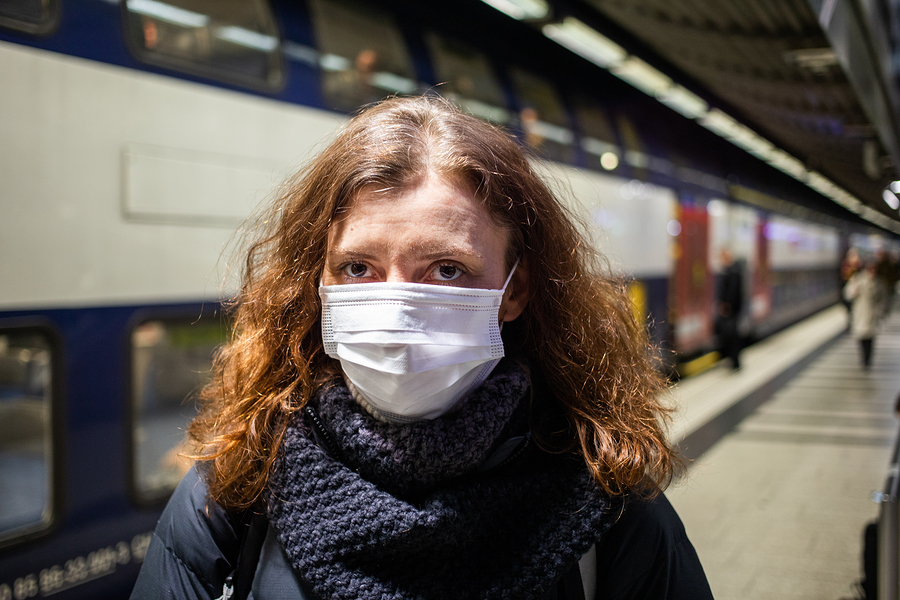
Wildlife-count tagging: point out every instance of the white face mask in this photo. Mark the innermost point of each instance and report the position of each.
(412, 350)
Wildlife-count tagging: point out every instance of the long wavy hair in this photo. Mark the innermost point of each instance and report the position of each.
(600, 392)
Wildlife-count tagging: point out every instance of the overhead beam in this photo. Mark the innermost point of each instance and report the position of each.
(858, 44)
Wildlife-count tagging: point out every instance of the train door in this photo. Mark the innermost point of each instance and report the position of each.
(735, 227)
(691, 289)
(761, 285)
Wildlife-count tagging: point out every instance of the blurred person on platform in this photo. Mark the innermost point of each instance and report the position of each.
(729, 302)
(371, 432)
(887, 270)
(868, 293)
(849, 266)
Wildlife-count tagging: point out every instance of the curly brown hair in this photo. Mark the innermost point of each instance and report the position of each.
(577, 333)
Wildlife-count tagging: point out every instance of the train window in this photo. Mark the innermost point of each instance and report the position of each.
(542, 117)
(465, 77)
(26, 432)
(231, 41)
(597, 137)
(170, 362)
(635, 155)
(361, 54)
(37, 17)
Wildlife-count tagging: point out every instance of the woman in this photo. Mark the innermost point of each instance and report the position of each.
(391, 441)
(867, 295)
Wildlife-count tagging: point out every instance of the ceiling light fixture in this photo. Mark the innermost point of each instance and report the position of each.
(586, 42)
(521, 9)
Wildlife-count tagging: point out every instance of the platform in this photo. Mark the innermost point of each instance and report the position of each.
(787, 453)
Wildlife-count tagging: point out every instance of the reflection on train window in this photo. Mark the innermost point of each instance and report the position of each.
(598, 139)
(465, 77)
(232, 41)
(30, 16)
(26, 441)
(170, 362)
(542, 117)
(362, 54)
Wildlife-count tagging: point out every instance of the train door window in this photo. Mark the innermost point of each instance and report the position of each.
(361, 54)
(597, 137)
(170, 361)
(38, 17)
(26, 432)
(542, 117)
(465, 77)
(236, 42)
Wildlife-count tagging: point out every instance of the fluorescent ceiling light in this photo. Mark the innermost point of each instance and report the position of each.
(785, 162)
(586, 42)
(600, 50)
(642, 76)
(748, 139)
(248, 38)
(167, 12)
(521, 9)
(687, 103)
(719, 123)
(891, 199)
(821, 184)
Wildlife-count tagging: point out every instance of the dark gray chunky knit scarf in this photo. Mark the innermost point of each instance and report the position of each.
(404, 511)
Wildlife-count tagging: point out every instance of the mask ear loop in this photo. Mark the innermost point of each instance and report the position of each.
(509, 277)
(503, 289)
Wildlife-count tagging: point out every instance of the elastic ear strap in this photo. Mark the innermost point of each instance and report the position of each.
(511, 271)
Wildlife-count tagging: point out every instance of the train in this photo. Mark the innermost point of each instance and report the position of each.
(138, 139)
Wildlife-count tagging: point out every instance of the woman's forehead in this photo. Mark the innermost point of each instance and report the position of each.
(435, 212)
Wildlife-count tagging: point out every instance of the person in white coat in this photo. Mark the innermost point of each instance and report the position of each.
(866, 293)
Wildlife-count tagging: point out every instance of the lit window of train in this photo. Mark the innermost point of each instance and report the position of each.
(543, 117)
(362, 54)
(598, 139)
(233, 41)
(26, 440)
(37, 17)
(466, 77)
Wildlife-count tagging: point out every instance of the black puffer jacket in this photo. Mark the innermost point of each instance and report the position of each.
(645, 555)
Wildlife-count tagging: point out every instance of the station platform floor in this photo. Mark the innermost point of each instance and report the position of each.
(784, 456)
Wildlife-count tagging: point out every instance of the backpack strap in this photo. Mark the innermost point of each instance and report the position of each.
(569, 587)
(240, 582)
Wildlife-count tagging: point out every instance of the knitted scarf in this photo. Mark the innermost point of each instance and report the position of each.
(403, 511)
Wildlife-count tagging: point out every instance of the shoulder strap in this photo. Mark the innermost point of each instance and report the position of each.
(240, 582)
(248, 558)
(569, 586)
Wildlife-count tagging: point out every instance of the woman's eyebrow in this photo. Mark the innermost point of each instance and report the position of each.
(437, 250)
(348, 253)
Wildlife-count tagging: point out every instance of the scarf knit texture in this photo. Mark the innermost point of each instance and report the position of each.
(404, 511)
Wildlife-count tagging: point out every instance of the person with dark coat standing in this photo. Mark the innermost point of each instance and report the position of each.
(370, 433)
(730, 299)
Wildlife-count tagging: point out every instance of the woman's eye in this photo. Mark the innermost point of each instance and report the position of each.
(448, 272)
(356, 270)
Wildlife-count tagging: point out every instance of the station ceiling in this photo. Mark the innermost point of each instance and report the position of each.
(790, 69)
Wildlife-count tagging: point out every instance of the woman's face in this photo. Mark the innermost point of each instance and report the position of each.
(436, 233)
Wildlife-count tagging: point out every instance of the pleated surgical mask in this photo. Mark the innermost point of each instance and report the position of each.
(412, 350)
